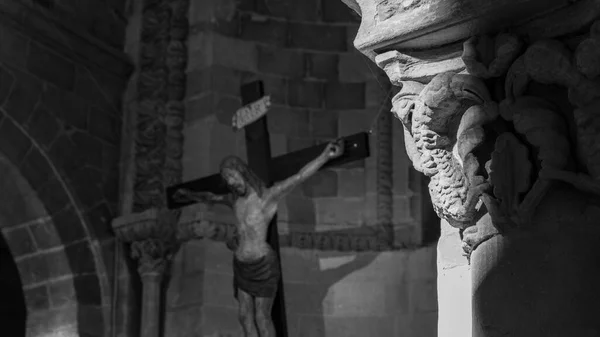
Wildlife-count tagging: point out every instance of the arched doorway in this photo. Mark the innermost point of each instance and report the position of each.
(13, 311)
(55, 260)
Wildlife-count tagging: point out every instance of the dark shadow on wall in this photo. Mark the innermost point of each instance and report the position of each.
(325, 280)
(13, 310)
(320, 282)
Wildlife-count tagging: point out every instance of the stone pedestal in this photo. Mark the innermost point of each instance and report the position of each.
(506, 127)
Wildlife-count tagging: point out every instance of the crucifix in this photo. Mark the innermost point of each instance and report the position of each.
(270, 170)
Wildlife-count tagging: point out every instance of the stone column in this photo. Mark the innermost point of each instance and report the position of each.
(506, 128)
(152, 259)
(454, 285)
(152, 236)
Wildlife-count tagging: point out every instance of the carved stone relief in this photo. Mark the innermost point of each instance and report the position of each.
(518, 126)
(159, 115)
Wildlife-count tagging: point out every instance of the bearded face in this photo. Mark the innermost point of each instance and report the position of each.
(442, 125)
(235, 182)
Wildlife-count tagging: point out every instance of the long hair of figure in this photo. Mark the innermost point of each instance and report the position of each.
(238, 165)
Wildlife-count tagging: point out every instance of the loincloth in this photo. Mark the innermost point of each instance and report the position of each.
(258, 278)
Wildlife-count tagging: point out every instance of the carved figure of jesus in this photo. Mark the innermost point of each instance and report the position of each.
(255, 263)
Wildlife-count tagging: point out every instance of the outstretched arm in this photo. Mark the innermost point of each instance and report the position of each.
(184, 195)
(280, 189)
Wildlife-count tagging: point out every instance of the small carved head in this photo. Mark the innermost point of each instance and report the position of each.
(239, 178)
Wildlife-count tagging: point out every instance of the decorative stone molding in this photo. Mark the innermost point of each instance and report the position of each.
(152, 235)
(197, 223)
(160, 108)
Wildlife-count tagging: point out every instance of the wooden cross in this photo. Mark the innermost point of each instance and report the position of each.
(271, 170)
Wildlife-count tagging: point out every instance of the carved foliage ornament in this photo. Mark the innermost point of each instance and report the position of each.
(160, 107)
(500, 155)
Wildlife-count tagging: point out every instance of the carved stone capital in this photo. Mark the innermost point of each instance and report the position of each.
(153, 256)
(503, 124)
(152, 235)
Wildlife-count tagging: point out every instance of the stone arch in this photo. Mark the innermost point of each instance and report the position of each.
(61, 267)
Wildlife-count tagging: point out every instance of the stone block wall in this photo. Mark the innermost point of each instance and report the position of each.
(60, 127)
(321, 89)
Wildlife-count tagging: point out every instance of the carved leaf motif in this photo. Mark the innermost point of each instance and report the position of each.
(509, 173)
